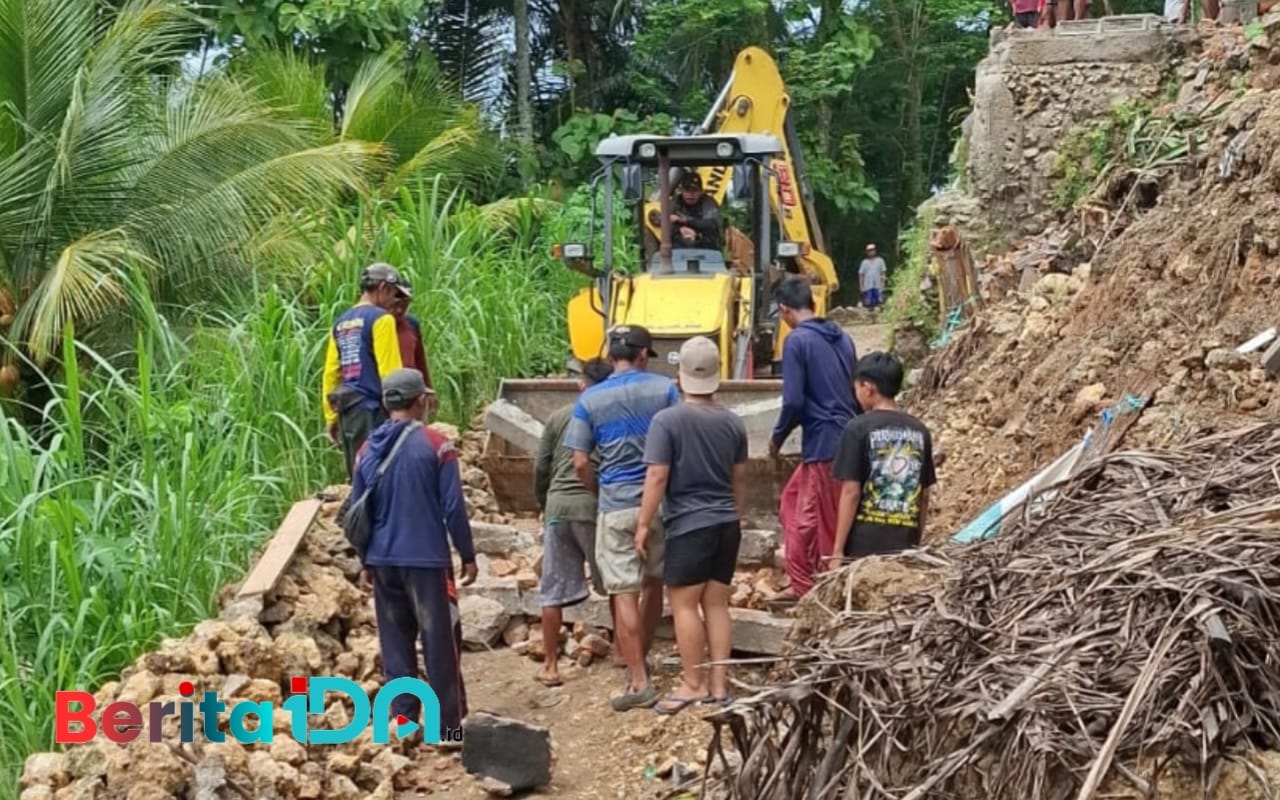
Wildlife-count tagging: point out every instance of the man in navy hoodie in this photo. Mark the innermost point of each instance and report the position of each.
(418, 509)
(817, 395)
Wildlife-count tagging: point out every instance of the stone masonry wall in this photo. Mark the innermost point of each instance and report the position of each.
(1034, 86)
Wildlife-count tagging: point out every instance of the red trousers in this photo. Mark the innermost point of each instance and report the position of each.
(808, 515)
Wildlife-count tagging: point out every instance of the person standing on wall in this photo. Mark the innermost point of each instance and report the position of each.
(418, 509)
(363, 349)
(612, 419)
(871, 274)
(569, 527)
(697, 470)
(817, 396)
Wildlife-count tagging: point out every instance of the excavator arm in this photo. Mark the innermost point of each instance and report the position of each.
(755, 100)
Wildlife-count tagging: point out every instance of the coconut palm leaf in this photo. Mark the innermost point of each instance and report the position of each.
(83, 283)
(108, 167)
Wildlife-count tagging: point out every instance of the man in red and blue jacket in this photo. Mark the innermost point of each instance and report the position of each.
(418, 510)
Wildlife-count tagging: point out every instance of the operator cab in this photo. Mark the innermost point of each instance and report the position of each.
(689, 261)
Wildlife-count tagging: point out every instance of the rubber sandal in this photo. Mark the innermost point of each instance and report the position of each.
(718, 701)
(537, 676)
(679, 703)
(630, 700)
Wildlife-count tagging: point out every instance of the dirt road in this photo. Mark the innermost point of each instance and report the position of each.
(600, 754)
(869, 337)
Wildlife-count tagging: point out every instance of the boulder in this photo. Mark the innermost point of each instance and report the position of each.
(483, 621)
(507, 750)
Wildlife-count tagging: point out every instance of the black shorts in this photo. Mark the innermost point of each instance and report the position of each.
(1027, 19)
(876, 540)
(705, 554)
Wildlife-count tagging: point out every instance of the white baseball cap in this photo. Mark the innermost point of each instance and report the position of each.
(699, 366)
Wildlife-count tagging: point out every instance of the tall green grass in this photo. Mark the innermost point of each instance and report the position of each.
(157, 472)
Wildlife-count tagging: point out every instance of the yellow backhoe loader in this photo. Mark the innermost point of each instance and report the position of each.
(749, 163)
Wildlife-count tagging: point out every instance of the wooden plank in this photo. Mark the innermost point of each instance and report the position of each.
(279, 553)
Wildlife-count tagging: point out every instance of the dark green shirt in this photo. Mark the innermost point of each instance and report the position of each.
(555, 482)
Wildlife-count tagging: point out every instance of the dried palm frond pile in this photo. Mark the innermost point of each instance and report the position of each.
(1133, 624)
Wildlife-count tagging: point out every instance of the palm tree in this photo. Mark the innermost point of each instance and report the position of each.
(406, 107)
(117, 170)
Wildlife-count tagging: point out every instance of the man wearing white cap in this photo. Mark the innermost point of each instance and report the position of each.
(696, 457)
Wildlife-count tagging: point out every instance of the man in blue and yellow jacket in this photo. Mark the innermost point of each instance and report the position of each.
(363, 349)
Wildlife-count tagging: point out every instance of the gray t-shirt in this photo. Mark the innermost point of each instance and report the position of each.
(871, 272)
(700, 443)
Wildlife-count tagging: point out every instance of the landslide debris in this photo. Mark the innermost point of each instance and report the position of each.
(1120, 300)
(1125, 633)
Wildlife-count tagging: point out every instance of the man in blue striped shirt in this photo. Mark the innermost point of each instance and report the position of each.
(612, 418)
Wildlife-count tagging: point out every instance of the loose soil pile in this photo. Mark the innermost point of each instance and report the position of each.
(1127, 300)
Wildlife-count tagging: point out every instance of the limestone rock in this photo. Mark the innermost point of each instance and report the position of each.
(1226, 359)
(40, 792)
(299, 654)
(517, 630)
(388, 764)
(1088, 400)
(45, 769)
(483, 621)
(340, 787)
(140, 687)
(288, 750)
(343, 763)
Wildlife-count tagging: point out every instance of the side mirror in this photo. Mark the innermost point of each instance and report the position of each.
(632, 183)
(576, 258)
(742, 186)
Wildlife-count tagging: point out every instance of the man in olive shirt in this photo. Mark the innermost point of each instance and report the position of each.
(569, 534)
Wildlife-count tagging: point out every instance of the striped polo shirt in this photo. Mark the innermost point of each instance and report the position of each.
(612, 418)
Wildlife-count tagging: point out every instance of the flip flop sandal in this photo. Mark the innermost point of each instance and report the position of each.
(678, 704)
(537, 676)
(718, 701)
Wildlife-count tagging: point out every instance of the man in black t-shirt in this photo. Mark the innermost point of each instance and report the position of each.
(885, 463)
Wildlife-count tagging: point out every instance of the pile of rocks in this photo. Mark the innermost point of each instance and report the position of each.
(316, 621)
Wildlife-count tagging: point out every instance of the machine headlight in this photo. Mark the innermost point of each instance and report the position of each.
(724, 150)
(648, 150)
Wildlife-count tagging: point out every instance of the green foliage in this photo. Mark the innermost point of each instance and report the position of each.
(489, 296)
(1131, 139)
(407, 108)
(158, 471)
(105, 172)
(818, 78)
(906, 302)
(574, 159)
(342, 32)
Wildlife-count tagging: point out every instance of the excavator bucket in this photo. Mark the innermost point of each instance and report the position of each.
(514, 422)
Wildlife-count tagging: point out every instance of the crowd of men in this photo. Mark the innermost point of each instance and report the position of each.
(642, 483)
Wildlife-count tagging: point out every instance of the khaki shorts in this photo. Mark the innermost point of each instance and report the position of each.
(620, 567)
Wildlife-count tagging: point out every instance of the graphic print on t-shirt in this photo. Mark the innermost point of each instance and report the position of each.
(348, 334)
(891, 494)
